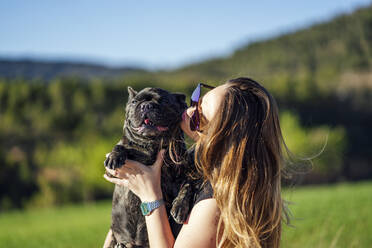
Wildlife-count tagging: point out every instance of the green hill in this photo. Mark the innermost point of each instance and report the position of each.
(324, 54)
(31, 69)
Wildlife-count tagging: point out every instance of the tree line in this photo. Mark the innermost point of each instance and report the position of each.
(54, 137)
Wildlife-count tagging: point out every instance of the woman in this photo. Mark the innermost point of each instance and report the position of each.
(238, 150)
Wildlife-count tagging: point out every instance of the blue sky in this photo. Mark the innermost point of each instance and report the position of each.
(153, 34)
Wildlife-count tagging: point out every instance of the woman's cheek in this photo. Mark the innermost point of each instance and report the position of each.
(184, 115)
(185, 124)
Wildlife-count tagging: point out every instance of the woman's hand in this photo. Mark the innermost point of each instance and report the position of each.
(143, 181)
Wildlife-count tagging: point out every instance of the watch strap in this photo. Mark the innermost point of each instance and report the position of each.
(148, 207)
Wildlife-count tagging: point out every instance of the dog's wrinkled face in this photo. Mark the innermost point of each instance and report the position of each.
(153, 111)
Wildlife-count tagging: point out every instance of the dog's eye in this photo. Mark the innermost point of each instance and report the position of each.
(134, 101)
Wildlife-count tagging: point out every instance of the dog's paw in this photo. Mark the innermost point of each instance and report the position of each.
(180, 213)
(181, 204)
(116, 158)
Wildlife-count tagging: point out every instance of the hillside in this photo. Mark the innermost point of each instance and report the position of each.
(35, 69)
(324, 54)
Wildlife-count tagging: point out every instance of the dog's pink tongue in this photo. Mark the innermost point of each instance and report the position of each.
(161, 129)
(147, 121)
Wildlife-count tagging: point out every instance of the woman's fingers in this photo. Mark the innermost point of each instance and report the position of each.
(142, 180)
(134, 165)
(121, 172)
(118, 181)
(110, 171)
(159, 159)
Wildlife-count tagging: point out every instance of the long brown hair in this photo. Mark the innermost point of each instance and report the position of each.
(240, 153)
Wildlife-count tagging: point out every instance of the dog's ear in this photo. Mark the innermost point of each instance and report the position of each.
(181, 99)
(132, 93)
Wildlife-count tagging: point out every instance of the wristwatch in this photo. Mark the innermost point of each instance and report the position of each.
(148, 207)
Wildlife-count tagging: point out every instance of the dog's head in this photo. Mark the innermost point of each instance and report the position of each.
(154, 112)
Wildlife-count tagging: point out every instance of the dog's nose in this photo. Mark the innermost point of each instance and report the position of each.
(147, 107)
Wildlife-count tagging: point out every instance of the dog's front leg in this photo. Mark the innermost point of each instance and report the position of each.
(117, 157)
(181, 204)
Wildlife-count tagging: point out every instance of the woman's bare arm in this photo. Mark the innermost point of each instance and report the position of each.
(108, 239)
(158, 229)
(201, 227)
(199, 231)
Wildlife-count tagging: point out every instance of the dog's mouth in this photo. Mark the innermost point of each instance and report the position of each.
(150, 125)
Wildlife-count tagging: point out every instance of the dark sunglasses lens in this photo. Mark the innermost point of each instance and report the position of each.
(194, 101)
(194, 120)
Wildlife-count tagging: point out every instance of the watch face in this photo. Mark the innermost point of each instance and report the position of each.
(145, 209)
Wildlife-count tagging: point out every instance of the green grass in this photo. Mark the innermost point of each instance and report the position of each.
(71, 226)
(330, 216)
(323, 216)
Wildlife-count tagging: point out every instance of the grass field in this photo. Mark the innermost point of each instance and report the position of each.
(325, 216)
(330, 216)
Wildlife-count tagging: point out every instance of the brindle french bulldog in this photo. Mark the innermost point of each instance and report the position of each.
(152, 122)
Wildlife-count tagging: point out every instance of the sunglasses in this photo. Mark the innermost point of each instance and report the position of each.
(194, 102)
